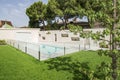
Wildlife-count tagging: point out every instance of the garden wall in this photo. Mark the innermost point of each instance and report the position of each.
(20, 34)
(49, 37)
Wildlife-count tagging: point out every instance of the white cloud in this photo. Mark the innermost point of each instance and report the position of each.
(16, 12)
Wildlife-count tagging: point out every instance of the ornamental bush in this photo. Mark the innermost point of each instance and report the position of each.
(2, 42)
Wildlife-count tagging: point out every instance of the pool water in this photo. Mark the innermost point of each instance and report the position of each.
(47, 49)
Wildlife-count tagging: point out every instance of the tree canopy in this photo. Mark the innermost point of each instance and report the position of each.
(36, 13)
(105, 12)
(64, 9)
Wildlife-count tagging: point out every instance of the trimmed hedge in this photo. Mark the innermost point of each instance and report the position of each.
(2, 42)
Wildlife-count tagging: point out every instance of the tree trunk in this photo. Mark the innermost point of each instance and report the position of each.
(114, 66)
(43, 24)
(114, 56)
(65, 23)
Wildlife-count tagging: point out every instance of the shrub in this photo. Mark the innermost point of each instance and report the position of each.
(103, 45)
(2, 42)
(48, 32)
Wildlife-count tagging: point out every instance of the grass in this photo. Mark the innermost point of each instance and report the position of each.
(16, 65)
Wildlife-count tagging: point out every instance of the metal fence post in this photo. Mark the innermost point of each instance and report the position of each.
(89, 46)
(39, 53)
(18, 45)
(79, 47)
(64, 50)
(13, 44)
(10, 42)
(26, 48)
(84, 46)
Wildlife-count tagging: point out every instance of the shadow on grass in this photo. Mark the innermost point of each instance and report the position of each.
(79, 70)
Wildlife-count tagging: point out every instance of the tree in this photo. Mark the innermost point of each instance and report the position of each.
(51, 13)
(36, 13)
(107, 13)
(52, 9)
(64, 9)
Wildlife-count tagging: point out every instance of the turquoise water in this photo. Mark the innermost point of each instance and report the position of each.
(47, 49)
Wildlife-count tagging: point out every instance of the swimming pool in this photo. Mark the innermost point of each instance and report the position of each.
(48, 49)
(43, 51)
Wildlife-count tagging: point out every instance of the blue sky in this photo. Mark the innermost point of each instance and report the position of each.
(14, 11)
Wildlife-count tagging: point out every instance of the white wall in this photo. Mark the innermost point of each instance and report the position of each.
(21, 34)
(27, 35)
(7, 34)
(35, 35)
(51, 37)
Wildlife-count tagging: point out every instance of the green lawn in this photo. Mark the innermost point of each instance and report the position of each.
(15, 65)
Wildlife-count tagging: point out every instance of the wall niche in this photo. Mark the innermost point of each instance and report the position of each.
(43, 37)
(64, 35)
(75, 38)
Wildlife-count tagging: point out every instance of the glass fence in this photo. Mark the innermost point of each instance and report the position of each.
(43, 51)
